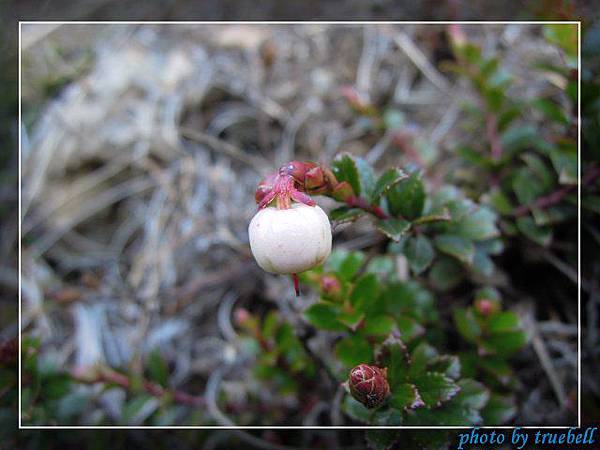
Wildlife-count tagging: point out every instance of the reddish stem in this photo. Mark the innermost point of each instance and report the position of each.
(491, 127)
(151, 388)
(555, 197)
(296, 284)
(361, 203)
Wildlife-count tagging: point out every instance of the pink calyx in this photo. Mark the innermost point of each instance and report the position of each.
(284, 190)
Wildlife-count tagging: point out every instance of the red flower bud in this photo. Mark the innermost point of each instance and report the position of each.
(486, 307)
(330, 285)
(241, 316)
(296, 169)
(369, 385)
(314, 179)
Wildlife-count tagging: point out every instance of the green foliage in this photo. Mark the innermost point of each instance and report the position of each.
(281, 358)
(392, 323)
(529, 153)
(48, 395)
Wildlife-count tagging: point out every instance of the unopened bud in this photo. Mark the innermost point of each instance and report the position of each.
(330, 285)
(369, 385)
(486, 307)
(241, 316)
(314, 179)
(296, 169)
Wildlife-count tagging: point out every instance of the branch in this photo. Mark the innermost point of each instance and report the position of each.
(361, 203)
(491, 128)
(109, 376)
(556, 197)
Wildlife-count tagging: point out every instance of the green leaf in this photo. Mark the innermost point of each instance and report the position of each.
(386, 181)
(382, 265)
(500, 202)
(507, 117)
(411, 299)
(393, 354)
(355, 410)
(387, 416)
(505, 343)
(378, 325)
(503, 321)
(350, 266)
(419, 253)
(449, 365)
(56, 386)
(435, 388)
(497, 366)
(564, 160)
(482, 263)
(409, 328)
(551, 110)
(456, 246)
(463, 409)
(445, 274)
(158, 368)
(406, 396)
(421, 357)
(344, 168)
(467, 324)
(488, 292)
(354, 350)
(564, 35)
(499, 410)
(366, 176)
(443, 216)
(365, 291)
(345, 214)
(407, 198)
(71, 405)
(539, 168)
(518, 138)
(138, 409)
(542, 235)
(352, 319)
(335, 260)
(324, 317)
(527, 188)
(270, 324)
(478, 226)
(473, 394)
(381, 439)
(393, 228)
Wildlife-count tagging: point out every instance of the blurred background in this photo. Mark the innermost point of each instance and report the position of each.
(142, 147)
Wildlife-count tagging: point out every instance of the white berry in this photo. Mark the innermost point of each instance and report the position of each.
(290, 240)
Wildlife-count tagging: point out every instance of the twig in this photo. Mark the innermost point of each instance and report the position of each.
(111, 377)
(541, 351)
(212, 389)
(555, 197)
(185, 294)
(362, 203)
(491, 128)
(420, 60)
(260, 165)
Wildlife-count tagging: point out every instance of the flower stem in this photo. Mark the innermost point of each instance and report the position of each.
(296, 284)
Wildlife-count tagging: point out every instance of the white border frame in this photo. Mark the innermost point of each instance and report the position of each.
(292, 22)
